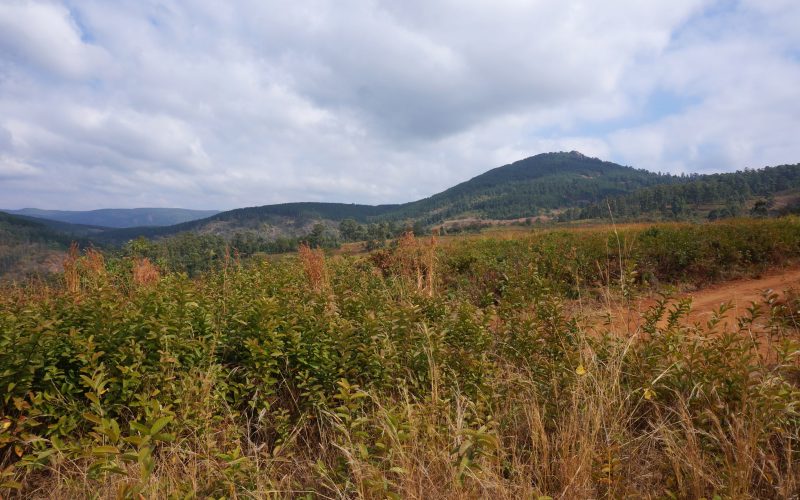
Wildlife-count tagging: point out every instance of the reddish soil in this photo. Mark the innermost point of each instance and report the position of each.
(741, 293)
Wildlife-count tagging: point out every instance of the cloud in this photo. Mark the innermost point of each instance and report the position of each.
(44, 37)
(225, 104)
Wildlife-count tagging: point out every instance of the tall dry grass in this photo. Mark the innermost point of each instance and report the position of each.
(313, 262)
(145, 273)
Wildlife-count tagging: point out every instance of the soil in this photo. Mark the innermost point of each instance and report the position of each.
(740, 293)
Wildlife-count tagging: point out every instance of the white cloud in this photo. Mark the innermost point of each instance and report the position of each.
(44, 36)
(226, 104)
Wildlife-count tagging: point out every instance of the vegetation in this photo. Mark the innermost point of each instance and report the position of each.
(727, 192)
(25, 244)
(194, 254)
(119, 217)
(426, 369)
(558, 187)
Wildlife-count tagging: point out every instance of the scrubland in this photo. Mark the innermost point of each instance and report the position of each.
(462, 368)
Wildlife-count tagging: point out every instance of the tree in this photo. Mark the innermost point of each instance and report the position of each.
(760, 209)
(351, 230)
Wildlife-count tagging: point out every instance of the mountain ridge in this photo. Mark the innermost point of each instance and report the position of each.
(560, 184)
(118, 217)
(517, 189)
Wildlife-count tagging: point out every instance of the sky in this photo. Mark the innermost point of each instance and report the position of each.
(211, 104)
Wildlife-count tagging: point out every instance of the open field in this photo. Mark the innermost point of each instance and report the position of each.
(463, 367)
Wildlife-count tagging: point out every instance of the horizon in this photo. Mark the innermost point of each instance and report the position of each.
(372, 204)
(127, 105)
(334, 202)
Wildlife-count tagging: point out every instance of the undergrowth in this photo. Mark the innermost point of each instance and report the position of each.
(413, 372)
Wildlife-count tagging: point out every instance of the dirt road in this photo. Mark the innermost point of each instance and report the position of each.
(705, 301)
(742, 292)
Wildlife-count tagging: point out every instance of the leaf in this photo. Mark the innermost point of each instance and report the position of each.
(44, 454)
(160, 424)
(139, 427)
(580, 370)
(91, 417)
(164, 436)
(105, 450)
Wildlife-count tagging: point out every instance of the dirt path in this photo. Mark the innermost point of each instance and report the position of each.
(705, 301)
(741, 292)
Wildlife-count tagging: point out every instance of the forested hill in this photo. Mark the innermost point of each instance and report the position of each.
(715, 195)
(271, 221)
(562, 185)
(521, 189)
(526, 187)
(119, 217)
(25, 244)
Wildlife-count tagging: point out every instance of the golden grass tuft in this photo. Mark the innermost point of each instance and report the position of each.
(145, 273)
(415, 261)
(72, 278)
(313, 262)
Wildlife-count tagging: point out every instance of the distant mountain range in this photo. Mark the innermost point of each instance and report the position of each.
(560, 186)
(119, 217)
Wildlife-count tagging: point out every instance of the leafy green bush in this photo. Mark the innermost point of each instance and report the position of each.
(459, 371)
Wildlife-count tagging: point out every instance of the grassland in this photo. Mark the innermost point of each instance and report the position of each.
(436, 368)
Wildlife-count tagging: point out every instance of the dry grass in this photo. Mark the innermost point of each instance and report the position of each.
(71, 275)
(313, 262)
(145, 273)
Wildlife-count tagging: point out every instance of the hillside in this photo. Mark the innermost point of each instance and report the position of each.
(498, 368)
(564, 186)
(770, 190)
(524, 188)
(119, 217)
(286, 220)
(29, 246)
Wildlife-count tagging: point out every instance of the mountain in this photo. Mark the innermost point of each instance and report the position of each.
(524, 188)
(564, 186)
(270, 221)
(527, 187)
(119, 217)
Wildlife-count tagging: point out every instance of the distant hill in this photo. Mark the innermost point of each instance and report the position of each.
(527, 187)
(557, 186)
(29, 246)
(119, 217)
(521, 189)
(270, 221)
(776, 190)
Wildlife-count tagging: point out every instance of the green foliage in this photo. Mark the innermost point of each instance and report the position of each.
(247, 360)
(25, 243)
(677, 200)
